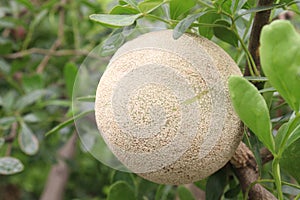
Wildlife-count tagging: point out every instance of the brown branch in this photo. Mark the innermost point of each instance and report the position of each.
(59, 173)
(11, 137)
(63, 52)
(60, 37)
(197, 192)
(266, 155)
(46, 59)
(261, 18)
(246, 170)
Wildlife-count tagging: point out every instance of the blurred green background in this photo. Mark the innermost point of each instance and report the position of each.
(41, 42)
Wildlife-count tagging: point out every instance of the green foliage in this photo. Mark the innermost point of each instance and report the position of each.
(208, 18)
(162, 192)
(32, 82)
(290, 160)
(120, 191)
(179, 8)
(184, 24)
(284, 74)
(70, 71)
(184, 193)
(252, 109)
(115, 20)
(216, 184)
(223, 32)
(36, 85)
(9, 165)
(148, 6)
(28, 142)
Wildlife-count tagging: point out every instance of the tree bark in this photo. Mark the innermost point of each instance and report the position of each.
(59, 173)
(243, 161)
(261, 18)
(246, 170)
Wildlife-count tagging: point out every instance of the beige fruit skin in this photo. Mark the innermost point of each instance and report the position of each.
(210, 131)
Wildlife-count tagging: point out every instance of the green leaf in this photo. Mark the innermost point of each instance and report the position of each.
(237, 5)
(89, 98)
(126, 9)
(179, 7)
(35, 22)
(280, 60)
(68, 122)
(215, 185)
(256, 78)
(201, 184)
(133, 3)
(31, 118)
(30, 98)
(208, 18)
(146, 189)
(8, 100)
(112, 43)
(128, 30)
(232, 192)
(266, 90)
(148, 6)
(282, 131)
(287, 134)
(224, 5)
(115, 20)
(162, 192)
(120, 190)
(286, 1)
(224, 32)
(184, 24)
(294, 136)
(10, 165)
(39, 17)
(4, 66)
(2, 141)
(260, 9)
(63, 103)
(252, 109)
(290, 160)
(28, 142)
(184, 193)
(70, 71)
(268, 96)
(6, 122)
(290, 190)
(32, 82)
(122, 176)
(27, 3)
(6, 46)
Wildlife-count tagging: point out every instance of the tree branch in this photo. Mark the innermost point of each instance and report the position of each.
(63, 52)
(10, 138)
(246, 170)
(59, 172)
(266, 155)
(60, 37)
(261, 18)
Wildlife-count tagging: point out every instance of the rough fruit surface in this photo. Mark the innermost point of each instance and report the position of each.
(163, 107)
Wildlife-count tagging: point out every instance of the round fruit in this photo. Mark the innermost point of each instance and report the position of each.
(163, 107)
